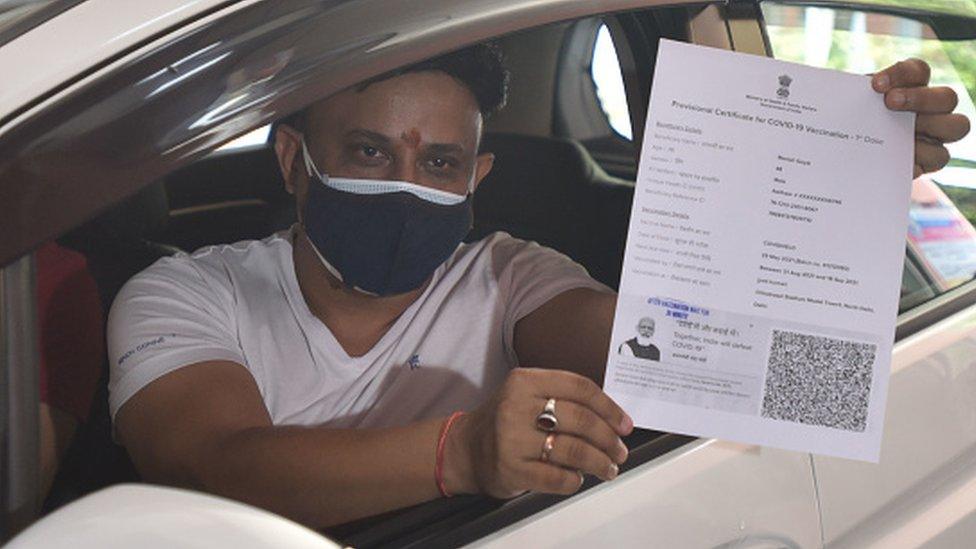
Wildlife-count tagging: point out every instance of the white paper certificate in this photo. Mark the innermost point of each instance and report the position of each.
(764, 257)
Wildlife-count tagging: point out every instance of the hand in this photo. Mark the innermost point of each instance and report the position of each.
(497, 448)
(905, 85)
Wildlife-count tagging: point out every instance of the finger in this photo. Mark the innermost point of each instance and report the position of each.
(575, 453)
(930, 157)
(563, 385)
(904, 74)
(945, 128)
(552, 479)
(580, 421)
(940, 100)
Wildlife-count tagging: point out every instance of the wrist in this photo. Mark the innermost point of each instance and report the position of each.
(458, 469)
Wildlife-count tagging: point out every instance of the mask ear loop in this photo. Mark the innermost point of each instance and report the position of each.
(310, 167)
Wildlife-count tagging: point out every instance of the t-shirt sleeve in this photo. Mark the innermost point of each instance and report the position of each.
(528, 276)
(175, 313)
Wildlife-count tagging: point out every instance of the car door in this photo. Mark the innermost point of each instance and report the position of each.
(923, 490)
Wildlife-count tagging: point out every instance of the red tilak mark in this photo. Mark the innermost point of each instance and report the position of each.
(412, 138)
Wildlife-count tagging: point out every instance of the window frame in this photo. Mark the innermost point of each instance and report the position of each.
(634, 36)
(576, 93)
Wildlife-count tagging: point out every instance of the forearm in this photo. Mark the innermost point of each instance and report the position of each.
(322, 477)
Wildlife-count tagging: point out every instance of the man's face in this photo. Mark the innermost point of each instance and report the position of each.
(422, 127)
(645, 327)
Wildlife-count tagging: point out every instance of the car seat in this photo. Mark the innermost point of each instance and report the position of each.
(225, 197)
(550, 190)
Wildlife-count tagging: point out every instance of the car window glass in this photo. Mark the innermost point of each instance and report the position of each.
(609, 82)
(941, 247)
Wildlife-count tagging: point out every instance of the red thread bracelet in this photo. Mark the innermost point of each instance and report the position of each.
(441, 442)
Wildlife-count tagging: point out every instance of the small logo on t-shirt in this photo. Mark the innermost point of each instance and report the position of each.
(142, 347)
(414, 361)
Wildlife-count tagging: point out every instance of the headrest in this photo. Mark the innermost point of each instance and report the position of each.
(138, 218)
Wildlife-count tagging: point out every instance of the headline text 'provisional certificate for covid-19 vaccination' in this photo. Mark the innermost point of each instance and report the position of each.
(764, 256)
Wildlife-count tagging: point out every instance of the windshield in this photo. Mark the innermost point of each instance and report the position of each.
(20, 16)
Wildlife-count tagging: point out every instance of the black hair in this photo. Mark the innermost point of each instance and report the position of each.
(480, 68)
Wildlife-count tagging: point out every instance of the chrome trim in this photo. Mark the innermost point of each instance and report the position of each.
(936, 309)
(218, 206)
(173, 103)
(19, 429)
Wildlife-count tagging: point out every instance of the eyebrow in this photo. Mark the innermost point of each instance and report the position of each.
(446, 148)
(386, 141)
(370, 135)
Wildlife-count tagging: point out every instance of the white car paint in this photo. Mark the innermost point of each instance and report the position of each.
(153, 517)
(80, 38)
(923, 491)
(706, 494)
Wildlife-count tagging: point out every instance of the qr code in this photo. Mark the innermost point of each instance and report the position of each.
(818, 380)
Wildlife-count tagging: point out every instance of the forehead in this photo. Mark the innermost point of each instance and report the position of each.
(646, 322)
(431, 104)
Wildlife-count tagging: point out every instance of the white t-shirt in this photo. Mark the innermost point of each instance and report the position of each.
(448, 351)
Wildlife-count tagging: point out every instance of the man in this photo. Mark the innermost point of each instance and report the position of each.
(641, 346)
(311, 372)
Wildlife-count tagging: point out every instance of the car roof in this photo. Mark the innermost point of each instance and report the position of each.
(84, 36)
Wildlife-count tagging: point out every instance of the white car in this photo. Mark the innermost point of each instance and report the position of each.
(131, 128)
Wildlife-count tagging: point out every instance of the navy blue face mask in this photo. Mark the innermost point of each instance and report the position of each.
(382, 237)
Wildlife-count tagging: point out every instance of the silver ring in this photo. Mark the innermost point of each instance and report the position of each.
(546, 420)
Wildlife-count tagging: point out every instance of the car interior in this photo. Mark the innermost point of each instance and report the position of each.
(563, 176)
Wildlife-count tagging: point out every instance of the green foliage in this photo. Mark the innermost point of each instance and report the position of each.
(964, 199)
(965, 8)
(952, 63)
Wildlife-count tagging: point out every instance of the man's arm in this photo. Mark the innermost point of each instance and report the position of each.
(570, 332)
(205, 427)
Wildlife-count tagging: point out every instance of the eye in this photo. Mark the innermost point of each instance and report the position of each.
(367, 155)
(442, 163)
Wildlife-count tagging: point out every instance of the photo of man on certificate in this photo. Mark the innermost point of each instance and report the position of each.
(640, 346)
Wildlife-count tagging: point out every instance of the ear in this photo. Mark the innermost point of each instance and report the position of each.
(288, 149)
(482, 167)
